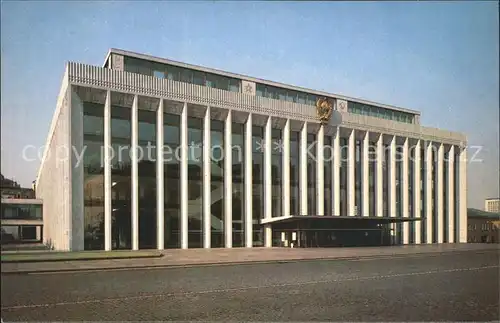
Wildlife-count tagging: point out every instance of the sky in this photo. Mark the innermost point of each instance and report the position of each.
(441, 58)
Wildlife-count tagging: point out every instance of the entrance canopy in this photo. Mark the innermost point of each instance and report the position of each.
(372, 219)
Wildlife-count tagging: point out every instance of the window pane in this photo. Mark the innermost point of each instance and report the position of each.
(186, 75)
(199, 78)
(291, 96)
(173, 73)
(171, 134)
(302, 97)
(159, 74)
(311, 99)
(222, 83)
(281, 94)
(211, 80)
(93, 125)
(120, 122)
(147, 131)
(270, 92)
(234, 85)
(145, 68)
(260, 90)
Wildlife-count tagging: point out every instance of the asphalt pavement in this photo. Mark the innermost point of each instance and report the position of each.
(434, 287)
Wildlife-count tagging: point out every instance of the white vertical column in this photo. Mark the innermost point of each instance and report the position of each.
(108, 210)
(449, 195)
(416, 194)
(248, 183)
(320, 172)
(184, 178)
(392, 177)
(365, 180)
(404, 185)
(135, 174)
(439, 194)
(267, 183)
(351, 185)
(336, 173)
(39, 233)
(428, 192)
(462, 196)
(379, 177)
(207, 213)
(392, 186)
(228, 182)
(285, 160)
(160, 205)
(303, 170)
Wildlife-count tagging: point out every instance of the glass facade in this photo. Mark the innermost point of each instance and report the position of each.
(217, 183)
(311, 174)
(93, 175)
(147, 178)
(195, 182)
(176, 73)
(171, 180)
(258, 184)
(294, 172)
(121, 178)
(187, 75)
(343, 175)
(21, 211)
(372, 162)
(272, 92)
(121, 181)
(386, 179)
(399, 190)
(434, 189)
(21, 233)
(357, 177)
(238, 171)
(379, 112)
(276, 172)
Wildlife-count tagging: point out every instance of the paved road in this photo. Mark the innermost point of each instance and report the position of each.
(451, 287)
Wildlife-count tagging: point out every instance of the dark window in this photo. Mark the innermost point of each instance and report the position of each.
(93, 176)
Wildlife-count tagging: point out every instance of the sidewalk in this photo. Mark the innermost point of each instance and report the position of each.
(197, 257)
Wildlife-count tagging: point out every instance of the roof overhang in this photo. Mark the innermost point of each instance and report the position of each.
(379, 219)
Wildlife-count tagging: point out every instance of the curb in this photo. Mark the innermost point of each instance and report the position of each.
(23, 261)
(257, 262)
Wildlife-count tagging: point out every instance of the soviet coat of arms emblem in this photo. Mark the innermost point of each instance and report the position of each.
(324, 108)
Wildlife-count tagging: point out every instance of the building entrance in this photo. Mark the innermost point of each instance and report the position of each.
(330, 238)
(331, 231)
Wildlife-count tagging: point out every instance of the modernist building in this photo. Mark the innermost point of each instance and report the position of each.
(483, 226)
(20, 214)
(145, 152)
(492, 205)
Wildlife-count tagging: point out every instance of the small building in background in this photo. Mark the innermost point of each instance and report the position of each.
(11, 189)
(482, 226)
(492, 205)
(21, 214)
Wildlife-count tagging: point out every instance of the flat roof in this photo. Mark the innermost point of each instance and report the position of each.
(380, 219)
(252, 79)
(21, 201)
